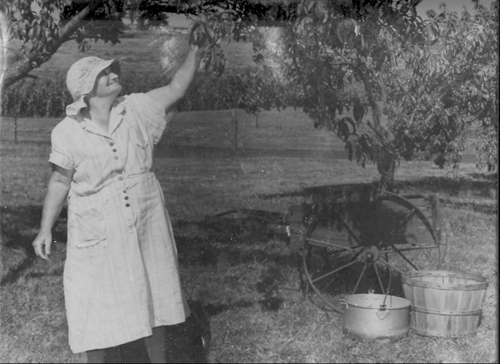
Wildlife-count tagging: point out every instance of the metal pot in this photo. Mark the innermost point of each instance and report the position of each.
(377, 317)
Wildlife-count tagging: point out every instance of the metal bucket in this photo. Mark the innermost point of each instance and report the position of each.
(376, 317)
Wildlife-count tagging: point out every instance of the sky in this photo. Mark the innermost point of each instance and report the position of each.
(451, 5)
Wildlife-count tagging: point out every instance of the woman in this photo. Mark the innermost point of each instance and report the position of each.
(121, 279)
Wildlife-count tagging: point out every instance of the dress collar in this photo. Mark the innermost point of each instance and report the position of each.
(117, 108)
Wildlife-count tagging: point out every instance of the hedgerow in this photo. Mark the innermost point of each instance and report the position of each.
(36, 98)
(250, 89)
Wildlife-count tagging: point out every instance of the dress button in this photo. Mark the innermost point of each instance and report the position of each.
(127, 205)
(126, 197)
(111, 144)
(114, 150)
(124, 191)
(116, 157)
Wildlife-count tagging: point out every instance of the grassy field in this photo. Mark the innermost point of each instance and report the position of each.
(241, 270)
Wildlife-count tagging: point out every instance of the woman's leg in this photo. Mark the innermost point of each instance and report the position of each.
(155, 345)
(96, 356)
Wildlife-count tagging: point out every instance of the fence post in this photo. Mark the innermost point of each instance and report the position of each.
(234, 121)
(15, 129)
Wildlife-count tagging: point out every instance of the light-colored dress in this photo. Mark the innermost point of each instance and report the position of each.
(121, 272)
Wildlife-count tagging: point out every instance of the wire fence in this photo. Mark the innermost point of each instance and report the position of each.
(233, 130)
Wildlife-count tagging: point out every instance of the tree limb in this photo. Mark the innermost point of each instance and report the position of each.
(32, 61)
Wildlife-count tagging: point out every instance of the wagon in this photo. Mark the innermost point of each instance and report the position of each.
(349, 237)
(347, 234)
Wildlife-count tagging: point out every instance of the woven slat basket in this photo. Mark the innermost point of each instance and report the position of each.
(444, 303)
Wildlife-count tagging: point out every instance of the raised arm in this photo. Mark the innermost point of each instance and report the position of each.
(169, 95)
(57, 192)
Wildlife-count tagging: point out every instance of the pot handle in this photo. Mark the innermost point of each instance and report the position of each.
(382, 314)
(342, 302)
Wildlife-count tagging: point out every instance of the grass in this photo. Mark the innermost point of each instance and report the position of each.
(241, 269)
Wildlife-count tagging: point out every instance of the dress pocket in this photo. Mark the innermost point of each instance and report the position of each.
(89, 228)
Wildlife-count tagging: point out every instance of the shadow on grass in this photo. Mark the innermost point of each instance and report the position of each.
(15, 273)
(476, 184)
(477, 189)
(482, 208)
(19, 226)
(236, 241)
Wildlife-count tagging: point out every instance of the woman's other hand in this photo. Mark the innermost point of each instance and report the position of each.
(57, 191)
(43, 239)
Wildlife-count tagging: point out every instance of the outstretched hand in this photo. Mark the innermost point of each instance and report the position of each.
(200, 36)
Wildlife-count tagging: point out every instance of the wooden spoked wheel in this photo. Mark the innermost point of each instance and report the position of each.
(358, 246)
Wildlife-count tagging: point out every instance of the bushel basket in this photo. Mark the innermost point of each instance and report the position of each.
(444, 303)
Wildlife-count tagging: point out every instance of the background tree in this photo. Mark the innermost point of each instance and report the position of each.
(452, 88)
(392, 85)
(343, 54)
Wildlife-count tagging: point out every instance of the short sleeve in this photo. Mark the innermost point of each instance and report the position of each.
(60, 154)
(149, 114)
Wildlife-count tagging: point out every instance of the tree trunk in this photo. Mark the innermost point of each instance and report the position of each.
(386, 166)
(386, 157)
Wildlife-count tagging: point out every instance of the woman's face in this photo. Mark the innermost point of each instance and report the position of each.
(107, 83)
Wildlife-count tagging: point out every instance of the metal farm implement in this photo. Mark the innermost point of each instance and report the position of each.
(350, 235)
